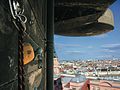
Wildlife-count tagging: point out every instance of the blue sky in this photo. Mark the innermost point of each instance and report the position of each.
(102, 46)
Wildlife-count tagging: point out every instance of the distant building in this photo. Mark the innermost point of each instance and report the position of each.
(104, 85)
(56, 64)
(73, 83)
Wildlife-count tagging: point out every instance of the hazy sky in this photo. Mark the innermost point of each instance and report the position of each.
(102, 46)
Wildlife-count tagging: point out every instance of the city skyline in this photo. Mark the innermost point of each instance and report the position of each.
(101, 46)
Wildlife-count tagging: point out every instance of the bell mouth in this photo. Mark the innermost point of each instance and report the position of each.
(86, 26)
(91, 29)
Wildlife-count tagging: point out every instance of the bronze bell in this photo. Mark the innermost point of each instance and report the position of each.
(73, 19)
